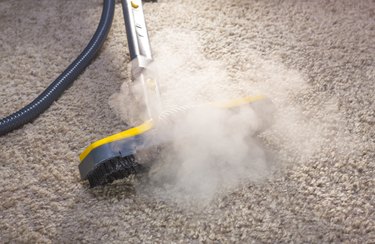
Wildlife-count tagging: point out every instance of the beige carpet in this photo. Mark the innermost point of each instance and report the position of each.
(315, 58)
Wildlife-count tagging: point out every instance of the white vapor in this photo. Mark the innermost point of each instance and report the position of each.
(213, 149)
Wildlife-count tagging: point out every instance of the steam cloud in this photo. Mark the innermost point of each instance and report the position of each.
(213, 149)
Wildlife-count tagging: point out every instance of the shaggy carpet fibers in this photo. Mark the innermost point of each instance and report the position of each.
(315, 59)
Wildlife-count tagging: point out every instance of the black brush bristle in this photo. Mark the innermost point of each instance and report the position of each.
(114, 169)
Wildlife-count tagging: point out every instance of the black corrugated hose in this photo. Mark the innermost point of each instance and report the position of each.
(54, 91)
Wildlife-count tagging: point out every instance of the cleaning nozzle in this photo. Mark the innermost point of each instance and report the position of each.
(115, 157)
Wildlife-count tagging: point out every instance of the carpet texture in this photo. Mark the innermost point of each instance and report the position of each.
(326, 194)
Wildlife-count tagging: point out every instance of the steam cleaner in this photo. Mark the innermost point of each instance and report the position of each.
(114, 157)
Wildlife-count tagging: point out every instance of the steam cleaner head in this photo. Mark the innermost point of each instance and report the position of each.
(115, 157)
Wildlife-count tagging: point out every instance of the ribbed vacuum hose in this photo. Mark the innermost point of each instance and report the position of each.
(54, 91)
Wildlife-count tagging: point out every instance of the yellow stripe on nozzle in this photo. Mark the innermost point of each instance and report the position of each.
(146, 126)
(119, 136)
(238, 102)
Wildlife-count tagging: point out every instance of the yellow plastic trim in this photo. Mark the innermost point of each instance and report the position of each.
(238, 102)
(149, 124)
(119, 136)
(134, 5)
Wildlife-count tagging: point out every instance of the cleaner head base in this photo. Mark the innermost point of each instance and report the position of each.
(114, 169)
(114, 157)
